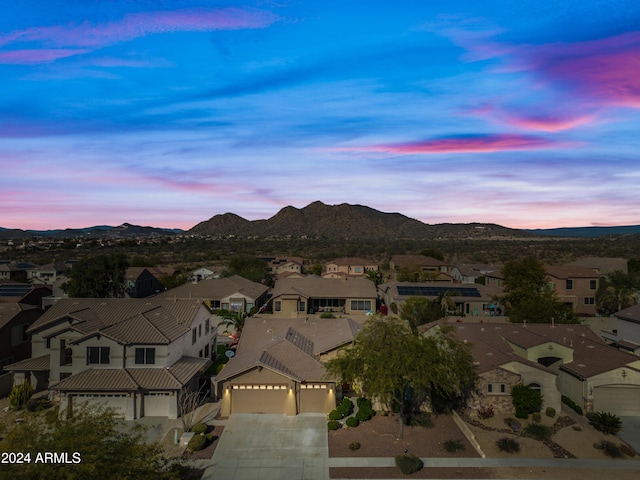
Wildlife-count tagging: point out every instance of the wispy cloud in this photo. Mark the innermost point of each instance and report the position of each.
(73, 39)
(462, 144)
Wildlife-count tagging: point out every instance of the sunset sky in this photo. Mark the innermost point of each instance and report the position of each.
(166, 113)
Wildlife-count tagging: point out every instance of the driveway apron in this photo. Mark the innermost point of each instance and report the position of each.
(272, 446)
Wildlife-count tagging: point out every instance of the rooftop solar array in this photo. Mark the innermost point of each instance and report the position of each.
(14, 290)
(435, 291)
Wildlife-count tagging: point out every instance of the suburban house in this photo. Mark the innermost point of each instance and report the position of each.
(15, 320)
(349, 266)
(141, 282)
(279, 366)
(45, 274)
(627, 334)
(474, 300)
(25, 293)
(284, 266)
(234, 293)
(575, 286)
(135, 355)
(420, 268)
(471, 273)
(569, 360)
(300, 296)
(202, 273)
(14, 271)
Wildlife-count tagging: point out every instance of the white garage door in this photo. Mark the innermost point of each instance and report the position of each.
(156, 404)
(258, 399)
(115, 401)
(621, 400)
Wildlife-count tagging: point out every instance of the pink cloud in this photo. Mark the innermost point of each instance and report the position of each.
(141, 24)
(544, 122)
(469, 144)
(37, 56)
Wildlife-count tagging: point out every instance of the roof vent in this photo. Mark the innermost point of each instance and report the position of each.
(590, 346)
(581, 365)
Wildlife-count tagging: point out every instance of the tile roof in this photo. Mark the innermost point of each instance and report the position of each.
(125, 320)
(147, 378)
(8, 311)
(313, 286)
(216, 288)
(351, 261)
(630, 314)
(602, 265)
(570, 271)
(35, 364)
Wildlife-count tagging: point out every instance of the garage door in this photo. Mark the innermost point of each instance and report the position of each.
(258, 399)
(622, 400)
(115, 401)
(313, 399)
(156, 404)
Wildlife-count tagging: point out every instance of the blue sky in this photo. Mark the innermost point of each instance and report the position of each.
(165, 113)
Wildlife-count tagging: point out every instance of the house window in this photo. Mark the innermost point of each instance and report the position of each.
(277, 306)
(215, 304)
(569, 284)
(589, 300)
(358, 269)
(360, 304)
(97, 355)
(302, 306)
(206, 326)
(206, 350)
(199, 330)
(496, 388)
(145, 356)
(194, 336)
(593, 284)
(490, 388)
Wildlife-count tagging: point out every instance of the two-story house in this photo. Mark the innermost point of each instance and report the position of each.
(134, 355)
(419, 268)
(141, 282)
(349, 266)
(575, 286)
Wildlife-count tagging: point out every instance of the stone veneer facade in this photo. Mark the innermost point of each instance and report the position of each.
(501, 402)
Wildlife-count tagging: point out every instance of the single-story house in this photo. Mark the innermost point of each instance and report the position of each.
(278, 367)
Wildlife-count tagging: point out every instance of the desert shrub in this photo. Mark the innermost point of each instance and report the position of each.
(508, 445)
(352, 422)
(199, 428)
(525, 398)
(335, 415)
(37, 404)
(354, 445)
(333, 425)
(346, 407)
(197, 442)
(20, 394)
(522, 413)
(610, 449)
(513, 424)
(421, 419)
(210, 437)
(606, 422)
(453, 446)
(537, 431)
(365, 410)
(327, 315)
(571, 404)
(550, 412)
(536, 417)
(485, 412)
(408, 464)
(51, 416)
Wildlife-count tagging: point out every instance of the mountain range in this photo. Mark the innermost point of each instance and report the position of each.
(318, 220)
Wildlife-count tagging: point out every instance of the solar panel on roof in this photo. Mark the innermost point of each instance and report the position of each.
(417, 290)
(14, 290)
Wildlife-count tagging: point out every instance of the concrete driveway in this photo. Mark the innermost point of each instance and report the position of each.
(270, 446)
(631, 431)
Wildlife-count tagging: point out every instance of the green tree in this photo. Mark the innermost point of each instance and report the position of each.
(417, 310)
(233, 319)
(251, 268)
(530, 296)
(616, 292)
(97, 445)
(100, 276)
(402, 370)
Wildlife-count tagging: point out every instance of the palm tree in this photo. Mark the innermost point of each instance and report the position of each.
(446, 303)
(616, 292)
(234, 319)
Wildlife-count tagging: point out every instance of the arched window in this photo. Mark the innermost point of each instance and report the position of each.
(536, 387)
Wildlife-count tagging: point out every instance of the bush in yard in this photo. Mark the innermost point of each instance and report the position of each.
(536, 417)
(525, 398)
(571, 404)
(453, 446)
(522, 413)
(333, 425)
(508, 445)
(422, 419)
(352, 422)
(197, 442)
(327, 315)
(610, 449)
(550, 412)
(606, 422)
(346, 407)
(20, 394)
(354, 445)
(335, 415)
(485, 412)
(199, 428)
(365, 410)
(537, 431)
(37, 404)
(408, 464)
